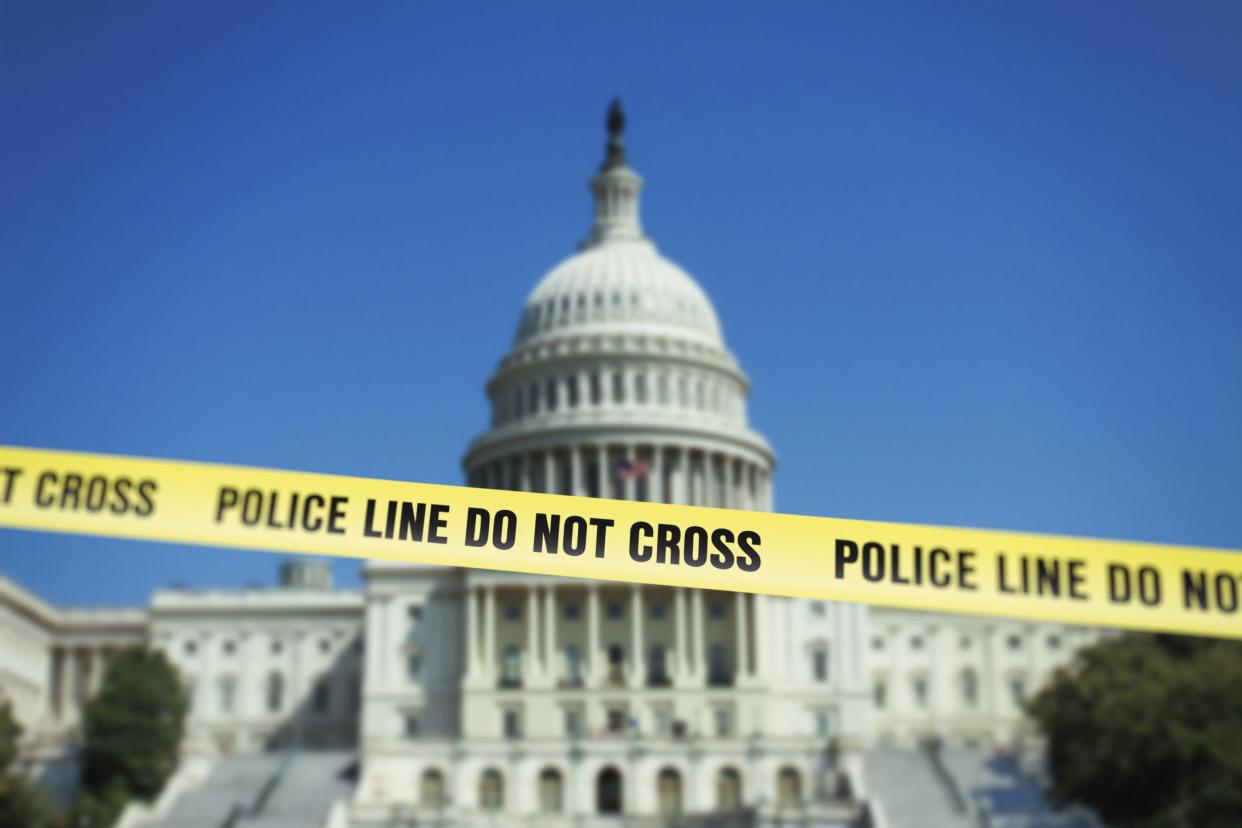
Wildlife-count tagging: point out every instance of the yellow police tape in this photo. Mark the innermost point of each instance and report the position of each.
(1041, 577)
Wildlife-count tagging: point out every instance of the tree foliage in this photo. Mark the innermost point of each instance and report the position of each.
(22, 803)
(1147, 731)
(10, 732)
(132, 730)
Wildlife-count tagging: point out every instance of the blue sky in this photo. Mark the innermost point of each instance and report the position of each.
(983, 261)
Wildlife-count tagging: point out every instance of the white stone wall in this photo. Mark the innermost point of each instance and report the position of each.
(958, 677)
(264, 668)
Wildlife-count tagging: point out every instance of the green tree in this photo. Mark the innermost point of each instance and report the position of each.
(10, 732)
(22, 803)
(132, 730)
(1147, 731)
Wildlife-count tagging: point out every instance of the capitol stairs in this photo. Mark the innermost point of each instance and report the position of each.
(266, 791)
(961, 787)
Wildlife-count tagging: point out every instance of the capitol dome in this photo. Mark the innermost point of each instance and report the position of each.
(619, 363)
(620, 286)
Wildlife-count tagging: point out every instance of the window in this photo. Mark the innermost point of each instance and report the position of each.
(275, 692)
(321, 697)
(819, 663)
(717, 610)
(657, 667)
(966, 642)
(573, 664)
(618, 387)
(572, 611)
(718, 665)
(551, 394)
(411, 725)
(616, 664)
(662, 719)
(228, 692)
(571, 386)
(668, 792)
(325, 646)
(597, 393)
(916, 642)
(617, 720)
(823, 724)
(723, 719)
(819, 609)
(491, 790)
(880, 692)
(970, 687)
(229, 647)
(431, 794)
(788, 788)
(191, 648)
(550, 791)
(573, 721)
(413, 665)
(1054, 642)
(877, 643)
(1015, 642)
(511, 667)
(657, 611)
(1017, 689)
(729, 791)
(513, 612)
(277, 648)
(513, 724)
(919, 686)
(616, 610)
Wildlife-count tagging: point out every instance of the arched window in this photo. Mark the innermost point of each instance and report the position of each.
(668, 792)
(275, 692)
(550, 791)
(608, 791)
(788, 788)
(970, 687)
(431, 789)
(729, 790)
(491, 790)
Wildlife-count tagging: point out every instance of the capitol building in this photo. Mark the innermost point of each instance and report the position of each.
(460, 697)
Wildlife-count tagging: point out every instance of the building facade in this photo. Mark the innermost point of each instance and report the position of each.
(476, 697)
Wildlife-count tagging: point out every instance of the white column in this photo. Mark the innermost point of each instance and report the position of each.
(636, 635)
(489, 634)
(575, 470)
(471, 604)
(602, 479)
(523, 473)
(681, 639)
(549, 633)
(741, 667)
(629, 489)
(682, 492)
(658, 488)
(595, 662)
(700, 635)
(532, 666)
(549, 472)
(202, 701)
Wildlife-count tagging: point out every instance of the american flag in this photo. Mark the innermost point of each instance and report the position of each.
(631, 470)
